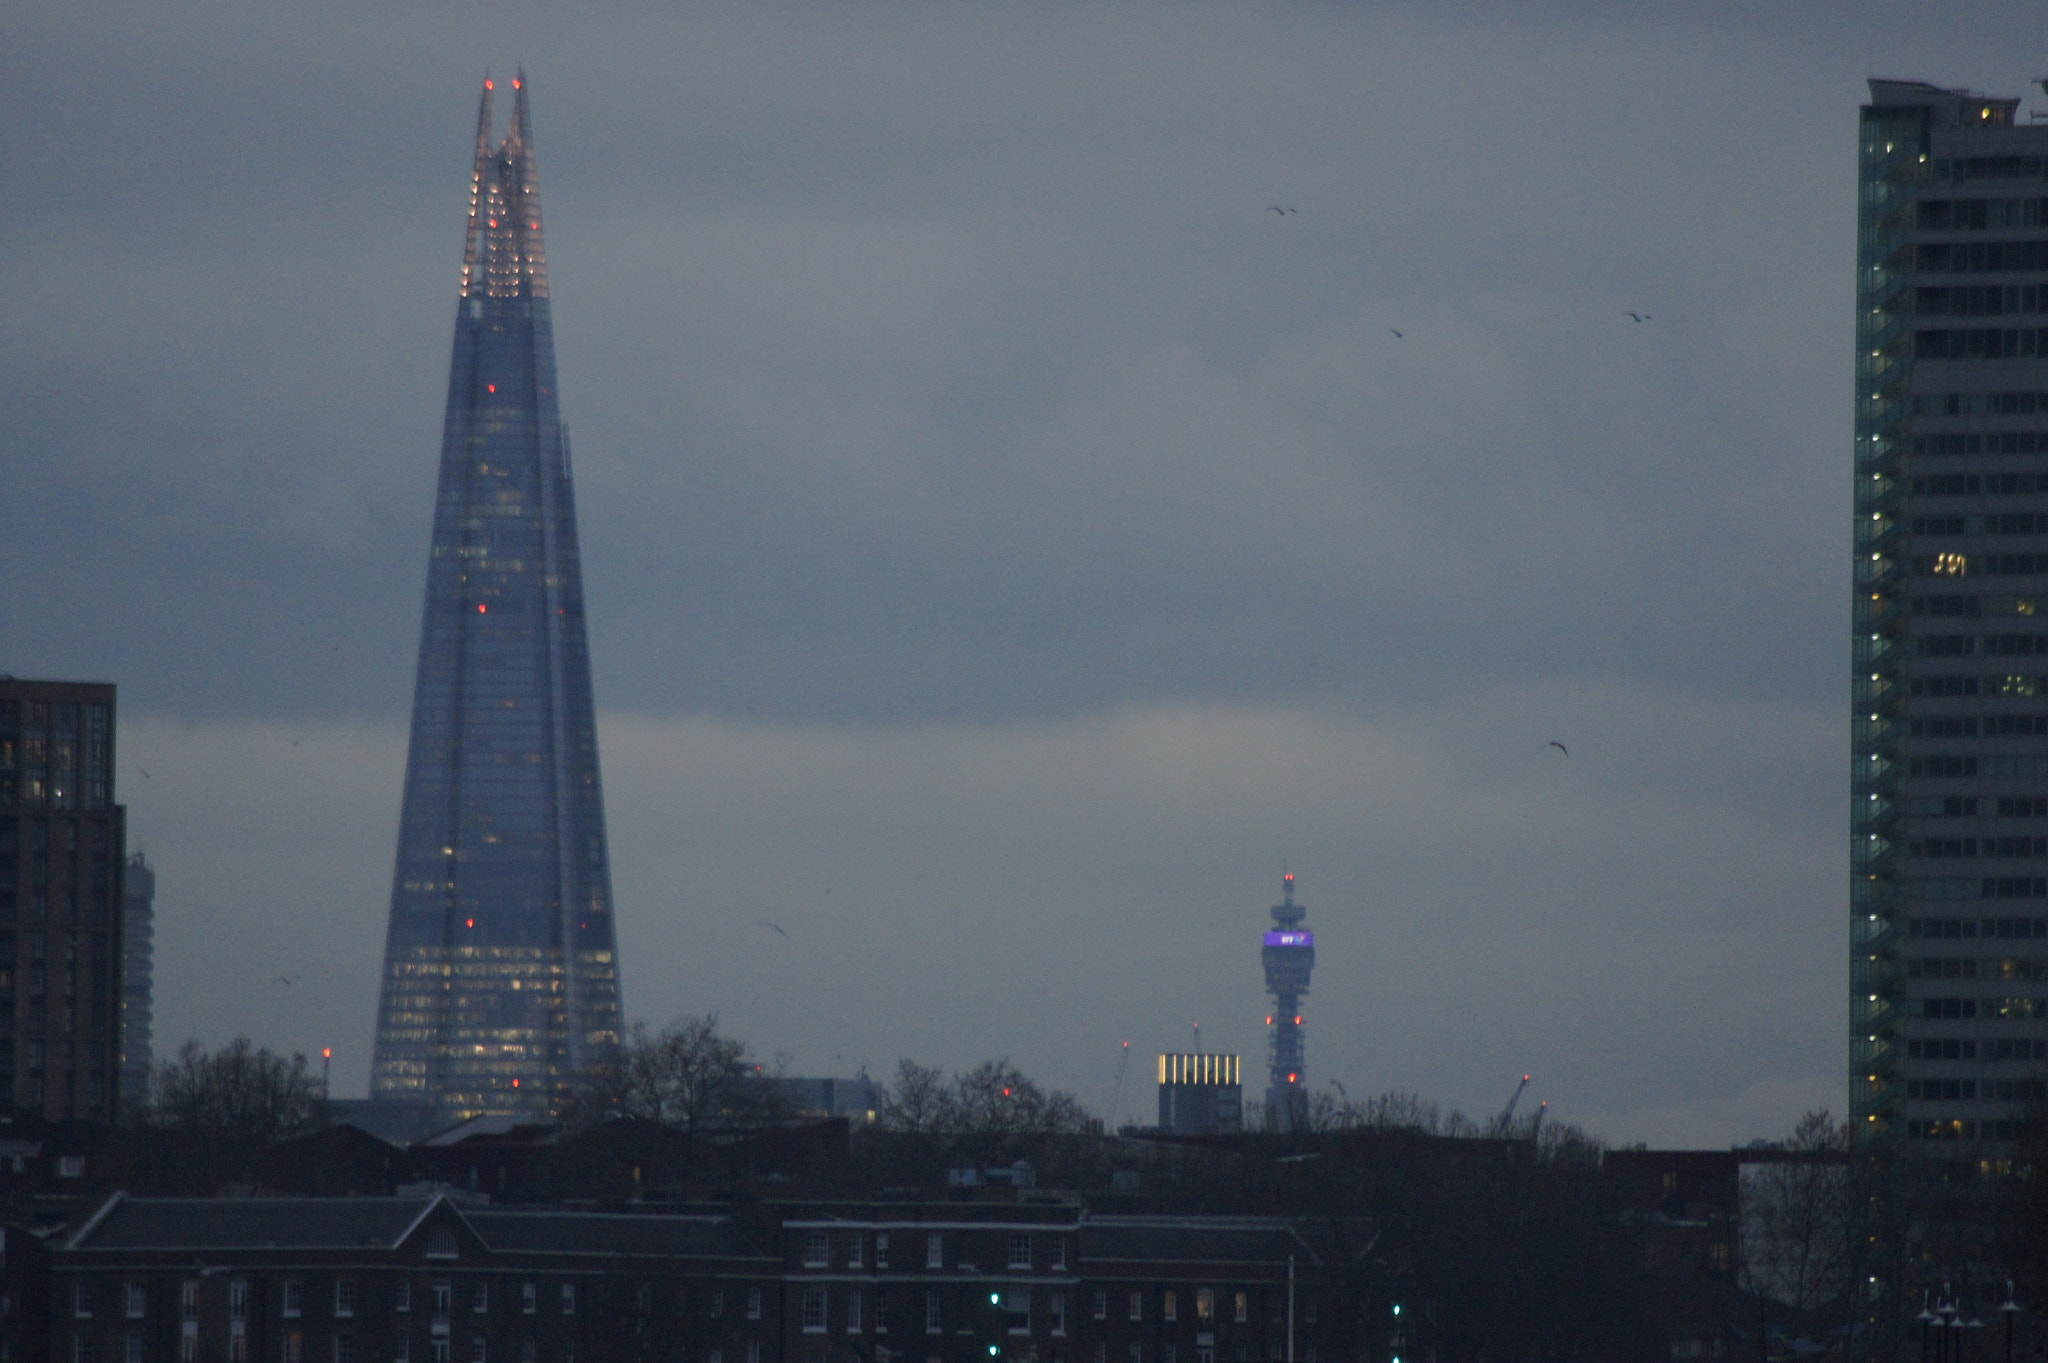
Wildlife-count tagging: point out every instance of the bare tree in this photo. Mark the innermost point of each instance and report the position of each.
(1796, 1241)
(687, 1076)
(918, 1101)
(994, 1098)
(240, 1093)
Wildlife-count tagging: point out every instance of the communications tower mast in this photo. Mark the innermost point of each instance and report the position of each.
(1289, 955)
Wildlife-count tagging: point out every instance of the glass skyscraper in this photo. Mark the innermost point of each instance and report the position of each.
(1949, 897)
(500, 975)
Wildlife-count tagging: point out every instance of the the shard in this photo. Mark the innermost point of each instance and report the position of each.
(500, 980)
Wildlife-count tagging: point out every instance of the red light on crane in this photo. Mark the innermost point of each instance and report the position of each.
(482, 609)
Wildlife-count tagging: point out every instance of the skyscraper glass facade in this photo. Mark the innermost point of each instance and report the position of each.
(500, 974)
(1949, 892)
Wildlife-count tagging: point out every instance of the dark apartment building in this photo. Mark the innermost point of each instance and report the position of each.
(61, 863)
(1949, 898)
(138, 981)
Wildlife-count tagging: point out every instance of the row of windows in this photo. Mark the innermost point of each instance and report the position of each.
(1959, 168)
(1967, 968)
(1981, 343)
(346, 1301)
(1996, 848)
(1970, 929)
(1975, 807)
(1952, 685)
(1977, 484)
(2023, 1009)
(1970, 215)
(1996, 767)
(1979, 404)
(1970, 1048)
(1975, 887)
(1981, 300)
(1953, 564)
(1972, 806)
(1980, 257)
(1970, 1090)
(2008, 523)
(1984, 646)
(1981, 442)
(2003, 1130)
(1987, 726)
(817, 1250)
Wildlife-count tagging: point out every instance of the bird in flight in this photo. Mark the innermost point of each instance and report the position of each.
(773, 927)
(1560, 747)
(1283, 212)
(1637, 316)
(1397, 335)
(145, 775)
(294, 742)
(289, 979)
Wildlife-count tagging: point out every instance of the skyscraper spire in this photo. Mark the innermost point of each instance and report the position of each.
(500, 978)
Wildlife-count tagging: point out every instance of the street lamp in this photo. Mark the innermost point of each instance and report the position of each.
(1926, 1319)
(2010, 1309)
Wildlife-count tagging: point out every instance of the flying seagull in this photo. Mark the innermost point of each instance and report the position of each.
(1637, 316)
(1397, 335)
(766, 924)
(1283, 212)
(145, 775)
(1560, 747)
(289, 979)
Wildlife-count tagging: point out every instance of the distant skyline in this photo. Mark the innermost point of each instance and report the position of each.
(1009, 545)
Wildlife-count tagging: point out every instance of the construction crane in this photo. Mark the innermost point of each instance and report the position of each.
(1123, 1063)
(1505, 1123)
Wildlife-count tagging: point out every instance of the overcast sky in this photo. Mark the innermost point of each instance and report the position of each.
(1008, 542)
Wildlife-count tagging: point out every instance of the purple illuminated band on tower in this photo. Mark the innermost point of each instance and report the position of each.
(1290, 939)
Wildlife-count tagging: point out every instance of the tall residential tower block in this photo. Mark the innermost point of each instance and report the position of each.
(500, 974)
(1948, 1007)
(61, 863)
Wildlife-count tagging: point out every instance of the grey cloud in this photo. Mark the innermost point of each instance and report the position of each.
(953, 421)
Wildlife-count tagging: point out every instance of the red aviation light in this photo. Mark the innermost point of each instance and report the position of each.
(515, 82)
(327, 1053)
(515, 1083)
(471, 922)
(481, 608)
(492, 386)
(490, 85)
(1297, 1019)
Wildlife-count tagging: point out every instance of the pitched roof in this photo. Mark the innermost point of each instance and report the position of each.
(226, 1224)
(577, 1232)
(1207, 1239)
